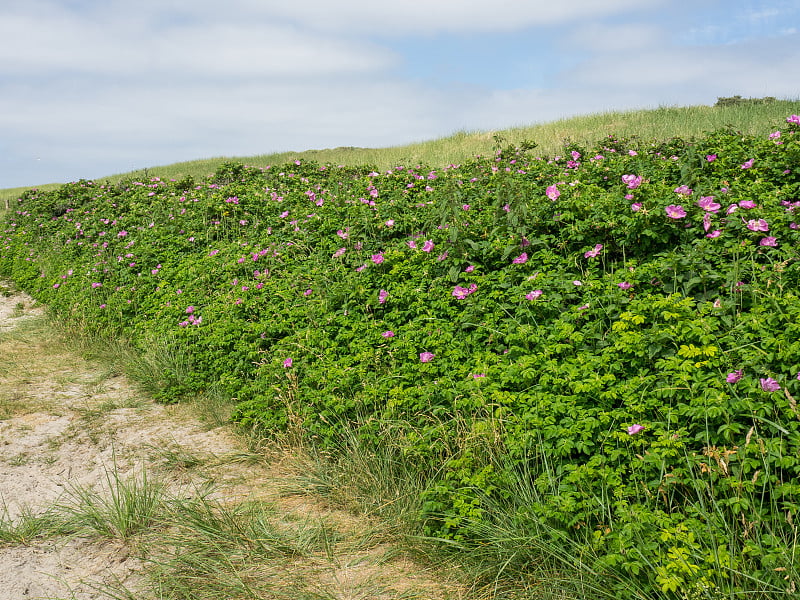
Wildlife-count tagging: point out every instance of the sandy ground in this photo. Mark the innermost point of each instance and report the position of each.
(67, 422)
(75, 424)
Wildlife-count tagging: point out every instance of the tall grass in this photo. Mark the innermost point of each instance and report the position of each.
(659, 123)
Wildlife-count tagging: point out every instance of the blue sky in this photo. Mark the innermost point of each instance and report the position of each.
(90, 88)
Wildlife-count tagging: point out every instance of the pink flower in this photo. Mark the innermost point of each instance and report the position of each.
(469, 269)
(734, 376)
(636, 206)
(624, 285)
(632, 181)
(427, 246)
(711, 157)
(287, 363)
(683, 190)
(757, 225)
(552, 192)
(706, 221)
(389, 223)
(533, 295)
(768, 384)
(189, 309)
(97, 285)
(747, 204)
(593, 253)
(308, 292)
(412, 244)
(707, 203)
(506, 208)
(675, 211)
(378, 258)
(714, 234)
(768, 241)
(342, 233)
(521, 259)
(339, 253)
(634, 429)
(793, 119)
(426, 356)
(747, 164)
(388, 334)
(576, 282)
(382, 296)
(461, 292)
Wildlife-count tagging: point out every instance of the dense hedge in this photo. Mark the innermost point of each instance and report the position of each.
(620, 322)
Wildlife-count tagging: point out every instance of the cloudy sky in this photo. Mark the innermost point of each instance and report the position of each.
(90, 88)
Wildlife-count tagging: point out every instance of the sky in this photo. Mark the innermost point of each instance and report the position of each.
(91, 88)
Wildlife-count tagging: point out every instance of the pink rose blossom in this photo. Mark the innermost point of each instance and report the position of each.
(757, 225)
(521, 259)
(461, 292)
(632, 181)
(426, 356)
(634, 429)
(675, 211)
(683, 190)
(707, 203)
(768, 384)
(734, 376)
(594, 252)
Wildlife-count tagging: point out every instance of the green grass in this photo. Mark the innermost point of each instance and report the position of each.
(658, 123)
(128, 506)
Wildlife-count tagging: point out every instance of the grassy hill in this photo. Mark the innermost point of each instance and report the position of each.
(753, 117)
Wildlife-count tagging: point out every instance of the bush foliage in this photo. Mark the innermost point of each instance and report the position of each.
(617, 327)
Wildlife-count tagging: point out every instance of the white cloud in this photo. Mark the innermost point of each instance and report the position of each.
(758, 68)
(387, 19)
(601, 37)
(62, 43)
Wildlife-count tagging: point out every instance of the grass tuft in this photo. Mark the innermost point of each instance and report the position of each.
(128, 507)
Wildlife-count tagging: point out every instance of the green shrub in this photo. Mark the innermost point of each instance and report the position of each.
(619, 324)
